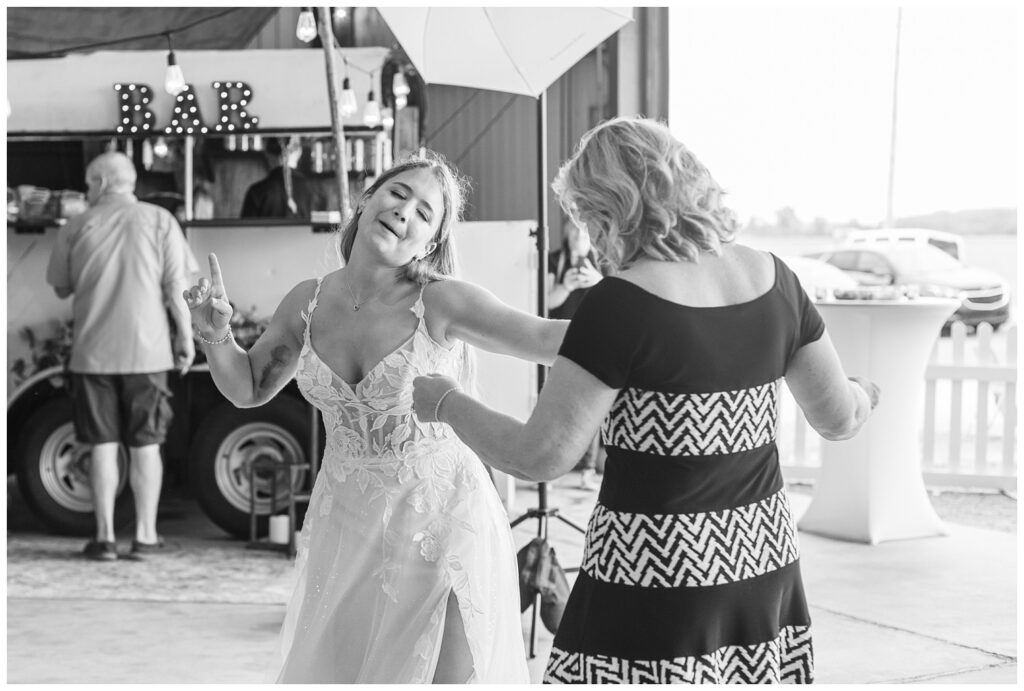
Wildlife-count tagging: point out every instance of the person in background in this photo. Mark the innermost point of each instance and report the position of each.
(572, 271)
(691, 567)
(284, 192)
(124, 262)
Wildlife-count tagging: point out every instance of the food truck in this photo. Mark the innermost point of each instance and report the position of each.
(197, 154)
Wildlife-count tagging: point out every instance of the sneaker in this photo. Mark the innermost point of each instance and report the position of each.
(147, 547)
(100, 550)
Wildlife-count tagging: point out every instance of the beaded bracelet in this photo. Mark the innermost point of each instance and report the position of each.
(437, 407)
(224, 339)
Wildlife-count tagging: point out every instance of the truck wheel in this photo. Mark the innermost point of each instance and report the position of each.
(224, 448)
(53, 473)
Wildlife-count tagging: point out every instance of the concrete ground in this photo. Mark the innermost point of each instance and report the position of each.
(937, 610)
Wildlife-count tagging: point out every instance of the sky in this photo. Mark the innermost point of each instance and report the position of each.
(793, 107)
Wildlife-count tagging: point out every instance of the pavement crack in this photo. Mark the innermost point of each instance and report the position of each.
(1003, 658)
(941, 675)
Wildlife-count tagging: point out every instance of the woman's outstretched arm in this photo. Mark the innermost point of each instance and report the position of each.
(475, 315)
(567, 417)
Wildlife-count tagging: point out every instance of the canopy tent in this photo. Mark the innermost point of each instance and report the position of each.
(52, 31)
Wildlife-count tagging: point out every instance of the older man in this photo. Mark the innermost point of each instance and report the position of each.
(125, 263)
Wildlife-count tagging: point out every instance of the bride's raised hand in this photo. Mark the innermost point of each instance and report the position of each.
(208, 303)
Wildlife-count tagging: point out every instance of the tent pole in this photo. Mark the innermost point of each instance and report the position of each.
(330, 60)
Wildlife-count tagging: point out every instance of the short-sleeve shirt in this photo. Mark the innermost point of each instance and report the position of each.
(124, 261)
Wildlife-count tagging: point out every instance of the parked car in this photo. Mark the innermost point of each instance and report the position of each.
(950, 243)
(817, 276)
(984, 295)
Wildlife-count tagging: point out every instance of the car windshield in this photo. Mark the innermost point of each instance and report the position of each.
(921, 258)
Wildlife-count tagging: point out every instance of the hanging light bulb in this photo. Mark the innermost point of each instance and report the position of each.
(387, 118)
(371, 114)
(174, 80)
(401, 102)
(348, 106)
(340, 13)
(399, 86)
(305, 30)
(160, 147)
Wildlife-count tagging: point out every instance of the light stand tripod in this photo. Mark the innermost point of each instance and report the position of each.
(542, 512)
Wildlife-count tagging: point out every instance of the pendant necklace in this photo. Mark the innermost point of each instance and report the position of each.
(356, 303)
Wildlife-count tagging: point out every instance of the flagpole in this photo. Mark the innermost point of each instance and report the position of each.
(892, 135)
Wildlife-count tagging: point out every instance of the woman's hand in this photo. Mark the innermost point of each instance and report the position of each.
(428, 394)
(870, 388)
(582, 277)
(208, 303)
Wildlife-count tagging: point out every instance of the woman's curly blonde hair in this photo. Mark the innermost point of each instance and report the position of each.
(641, 193)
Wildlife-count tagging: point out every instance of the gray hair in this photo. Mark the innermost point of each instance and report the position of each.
(114, 170)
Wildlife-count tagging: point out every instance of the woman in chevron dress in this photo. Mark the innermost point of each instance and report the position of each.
(691, 567)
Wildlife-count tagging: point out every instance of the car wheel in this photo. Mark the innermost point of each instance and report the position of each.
(226, 445)
(53, 473)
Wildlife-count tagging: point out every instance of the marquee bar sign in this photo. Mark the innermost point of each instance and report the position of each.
(136, 116)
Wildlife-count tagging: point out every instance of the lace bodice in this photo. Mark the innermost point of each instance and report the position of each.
(370, 425)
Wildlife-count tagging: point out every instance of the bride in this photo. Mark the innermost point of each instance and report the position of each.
(406, 569)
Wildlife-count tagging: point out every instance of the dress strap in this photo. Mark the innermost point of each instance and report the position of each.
(308, 314)
(418, 309)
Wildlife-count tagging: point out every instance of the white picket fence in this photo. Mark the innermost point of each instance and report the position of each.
(968, 425)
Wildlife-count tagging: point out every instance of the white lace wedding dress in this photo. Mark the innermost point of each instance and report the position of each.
(402, 514)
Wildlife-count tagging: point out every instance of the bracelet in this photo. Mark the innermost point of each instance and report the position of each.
(224, 339)
(437, 408)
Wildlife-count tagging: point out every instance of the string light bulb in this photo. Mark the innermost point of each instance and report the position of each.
(387, 118)
(305, 29)
(174, 80)
(160, 147)
(401, 102)
(399, 85)
(348, 106)
(371, 113)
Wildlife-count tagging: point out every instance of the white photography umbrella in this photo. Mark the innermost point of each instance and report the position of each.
(517, 50)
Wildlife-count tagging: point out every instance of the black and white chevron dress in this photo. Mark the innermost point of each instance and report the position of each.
(691, 569)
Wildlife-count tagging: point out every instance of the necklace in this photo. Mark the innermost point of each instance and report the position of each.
(357, 302)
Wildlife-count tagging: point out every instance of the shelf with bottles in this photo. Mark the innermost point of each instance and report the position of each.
(198, 177)
(226, 167)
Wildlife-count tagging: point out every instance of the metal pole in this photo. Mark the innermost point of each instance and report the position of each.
(892, 136)
(330, 59)
(542, 218)
(190, 144)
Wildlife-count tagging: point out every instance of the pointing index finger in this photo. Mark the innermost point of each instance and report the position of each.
(215, 277)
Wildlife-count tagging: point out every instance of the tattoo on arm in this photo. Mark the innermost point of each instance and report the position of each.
(278, 359)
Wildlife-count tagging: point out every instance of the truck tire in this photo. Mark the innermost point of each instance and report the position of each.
(53, 473)
(224, 447)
